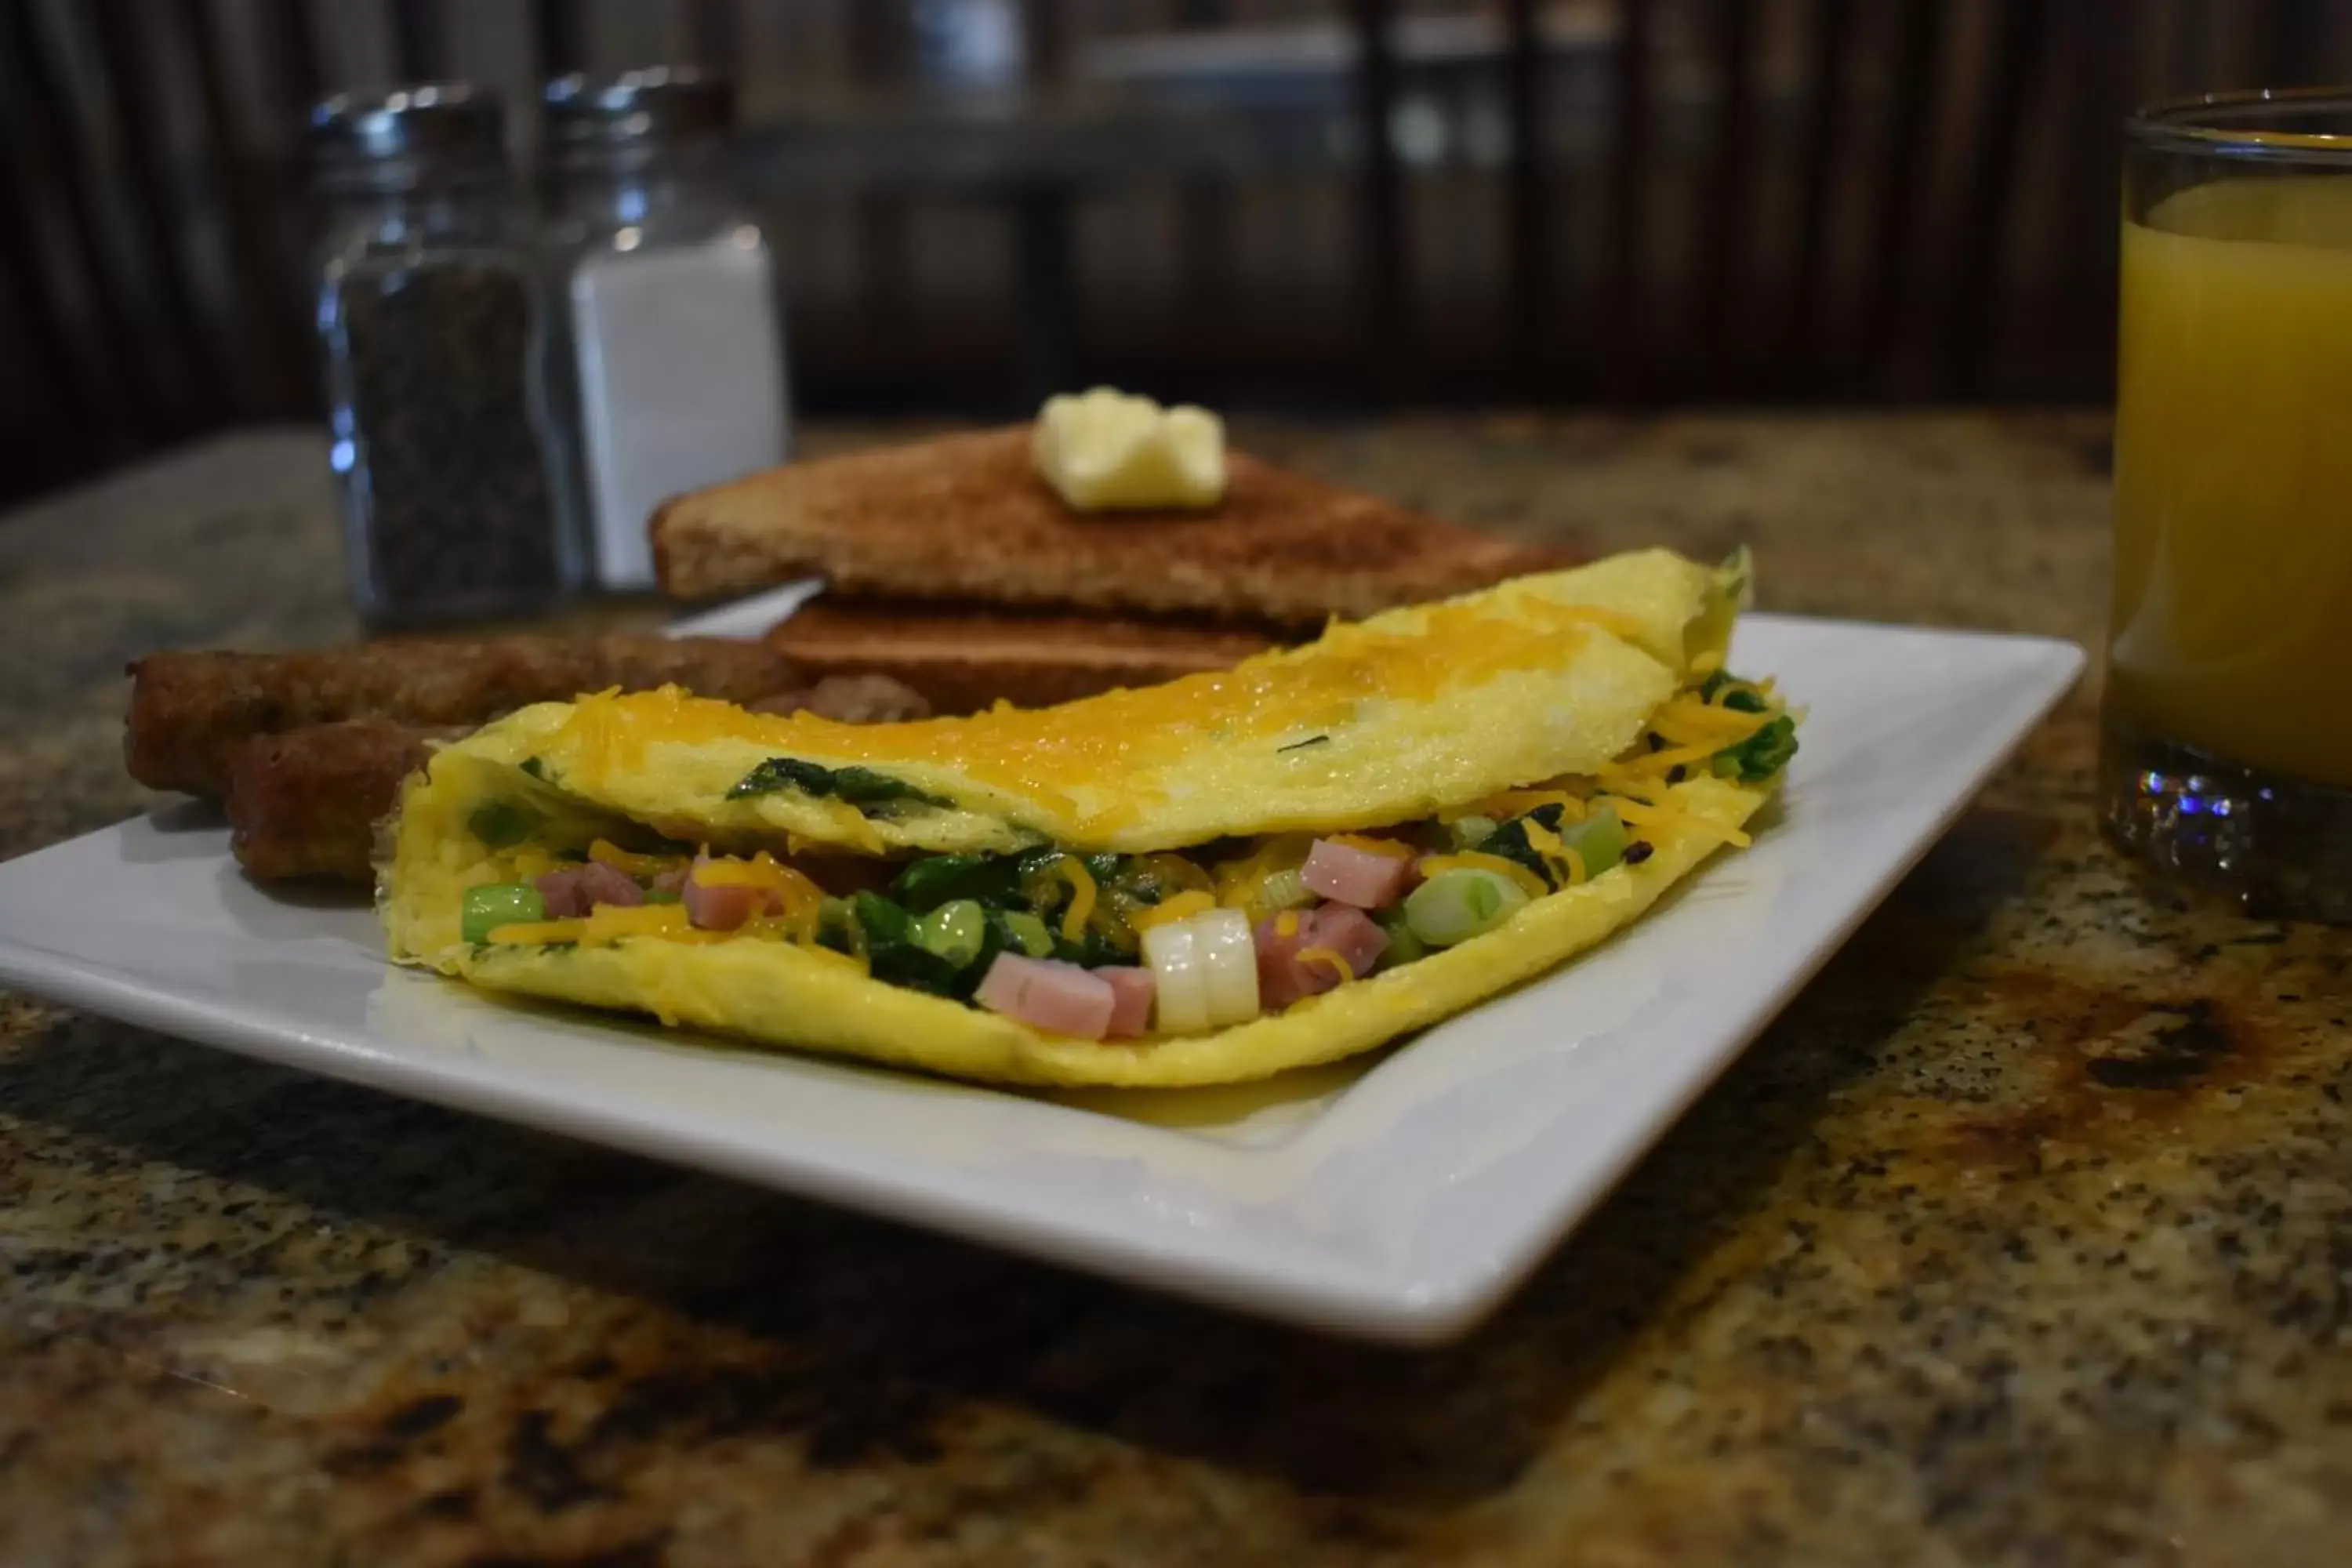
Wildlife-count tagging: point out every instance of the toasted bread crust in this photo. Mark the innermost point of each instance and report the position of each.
(966, 518)
(966, 659)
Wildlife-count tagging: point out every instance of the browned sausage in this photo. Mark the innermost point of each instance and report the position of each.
(304, 804)
(189, 712)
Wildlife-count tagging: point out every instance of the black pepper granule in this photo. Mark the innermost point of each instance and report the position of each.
(456, 497)
(1638, 851)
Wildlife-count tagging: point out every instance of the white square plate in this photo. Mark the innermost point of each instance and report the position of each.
(1399, 1197)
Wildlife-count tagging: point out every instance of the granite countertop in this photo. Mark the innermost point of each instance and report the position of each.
(2024, 1236)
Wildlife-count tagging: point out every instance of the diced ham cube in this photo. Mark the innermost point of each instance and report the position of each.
(562, 894)
(606, 884)
(576, 889)
(671, 882)
(723, 905)
(1346, 875)
(1047, 994)
(1132, 990)
(1339, 928)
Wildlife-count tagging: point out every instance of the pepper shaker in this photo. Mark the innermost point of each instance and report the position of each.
(429, 326)
(668, 346)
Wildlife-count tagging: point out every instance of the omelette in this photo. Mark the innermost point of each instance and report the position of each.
(1210, 880)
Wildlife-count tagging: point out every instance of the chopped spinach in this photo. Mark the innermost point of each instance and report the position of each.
(1599, 840)
(863, 787)
(1761, 755)
(859, 786)
(892, 953)
(1035, 863)
(1744, 700)
(534, 767)
(501, 824)
(1093, 949)
(1023, 931)
(936, 879)
(1025, 896)
(1509, 840)
(782, 774)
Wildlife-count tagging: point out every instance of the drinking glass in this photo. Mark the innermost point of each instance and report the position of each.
(2226, 745)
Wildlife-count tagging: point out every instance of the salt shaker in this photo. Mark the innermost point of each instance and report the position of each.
(429, 324)
(668, 346)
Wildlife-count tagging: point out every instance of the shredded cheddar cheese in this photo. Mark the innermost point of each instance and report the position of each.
(1183, 906)
(1688, 720)
(1656, 814)
(531, 934)
(1286, 924)
(1072, 870)
(606, 853)
(1567, 866)
(1324, 955)
(1100, 749)
(802, 900)
(1179, 870)
(1513, 803)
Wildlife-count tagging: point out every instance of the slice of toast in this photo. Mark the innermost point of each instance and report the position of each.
(966, 518)
(962, 660)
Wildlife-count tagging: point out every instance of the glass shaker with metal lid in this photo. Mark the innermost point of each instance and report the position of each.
(668, 343)
(428, 321)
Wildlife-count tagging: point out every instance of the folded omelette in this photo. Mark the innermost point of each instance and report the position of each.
(1215, 880)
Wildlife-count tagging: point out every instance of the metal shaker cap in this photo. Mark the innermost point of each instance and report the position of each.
(410, 135)
(589, 116)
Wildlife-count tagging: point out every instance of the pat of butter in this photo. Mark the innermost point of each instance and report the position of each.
(1105, 451)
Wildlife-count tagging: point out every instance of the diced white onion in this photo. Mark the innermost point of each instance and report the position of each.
(1226, 954)
(1181, 993)
(1205, 970)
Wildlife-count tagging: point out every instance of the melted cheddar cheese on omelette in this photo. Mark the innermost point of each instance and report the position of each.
(1210, 881)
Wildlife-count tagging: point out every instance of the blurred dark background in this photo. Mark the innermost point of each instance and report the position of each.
(1306, 204)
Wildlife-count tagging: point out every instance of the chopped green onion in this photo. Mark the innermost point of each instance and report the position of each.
(1456, 905)
(1469, 832)
(1763, 754)
(1029, 933)
(1599, 840)
(1284, 890)
(925, 884)
(836, 927)
(1403, 946)
(496, 904)
(955, 931)
(884, 922)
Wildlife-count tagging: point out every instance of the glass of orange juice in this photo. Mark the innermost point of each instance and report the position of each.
(2226, 753)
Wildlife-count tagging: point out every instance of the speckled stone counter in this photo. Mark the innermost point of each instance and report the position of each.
(2024, 1236)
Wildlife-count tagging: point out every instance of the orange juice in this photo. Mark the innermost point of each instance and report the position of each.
(2233, 476)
